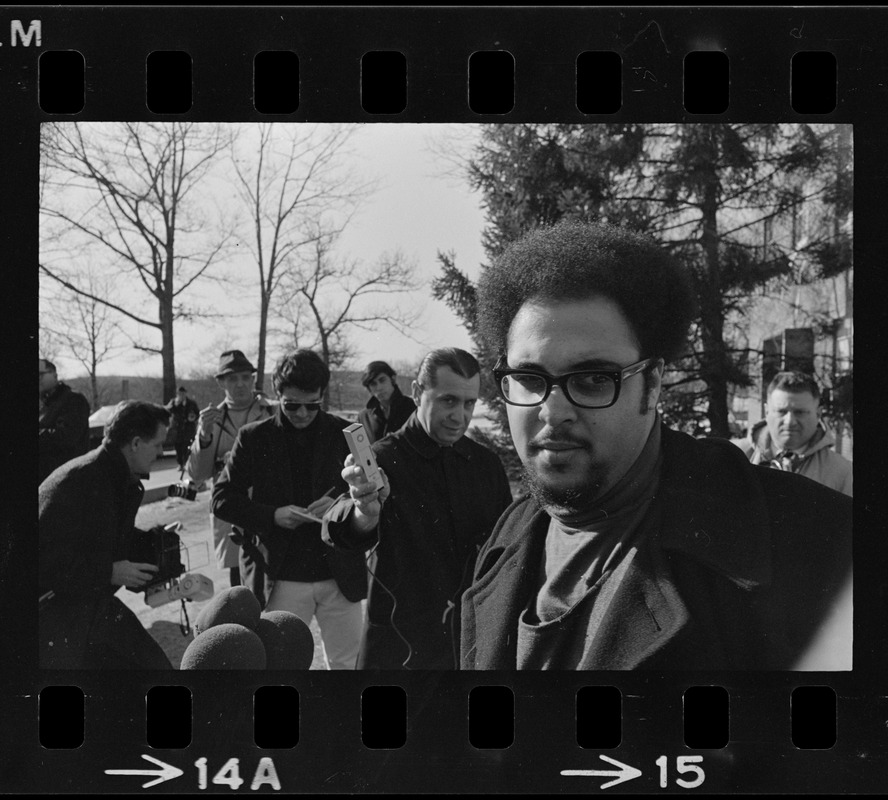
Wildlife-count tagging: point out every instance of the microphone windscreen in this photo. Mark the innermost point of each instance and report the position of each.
(225, 646)
(287, 639)
(237, 604)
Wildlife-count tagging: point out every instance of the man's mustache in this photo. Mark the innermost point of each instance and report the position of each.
(556, 443)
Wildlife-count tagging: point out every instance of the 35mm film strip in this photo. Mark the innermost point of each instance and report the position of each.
(492, 732)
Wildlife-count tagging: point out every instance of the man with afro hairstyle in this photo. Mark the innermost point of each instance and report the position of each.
(636, 547)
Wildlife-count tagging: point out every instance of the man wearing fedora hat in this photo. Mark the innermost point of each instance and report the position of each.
(217, 429)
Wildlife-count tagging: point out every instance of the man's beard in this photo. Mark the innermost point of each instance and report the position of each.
(568, 500)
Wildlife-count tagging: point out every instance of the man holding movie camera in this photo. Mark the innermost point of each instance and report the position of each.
(86, 521)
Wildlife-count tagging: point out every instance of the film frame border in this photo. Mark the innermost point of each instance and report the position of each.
(437, 42)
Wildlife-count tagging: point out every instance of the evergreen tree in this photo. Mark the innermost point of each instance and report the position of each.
(715, 195)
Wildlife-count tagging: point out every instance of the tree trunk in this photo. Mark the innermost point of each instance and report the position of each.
(714, 361)
(325, 354)
(168, 353)
(263, 330)
(93, 367)
(712, 371)
(94, 386)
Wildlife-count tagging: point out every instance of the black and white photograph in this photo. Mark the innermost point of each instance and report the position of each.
(227, 272)
(446, 400)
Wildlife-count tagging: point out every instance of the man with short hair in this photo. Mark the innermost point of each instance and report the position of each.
(217, 429)
(280, 469)
(443, 497)
(86, 517)
(637, 547)
(64, 421)
(792, 436)
(183, 414)
(388, 408)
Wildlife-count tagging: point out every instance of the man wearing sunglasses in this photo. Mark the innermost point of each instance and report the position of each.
(280, 469)
(637, 547)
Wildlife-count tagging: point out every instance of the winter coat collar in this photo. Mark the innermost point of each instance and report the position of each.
(56, 392)
(259, 401)
(115, 466)
(415, 435)
(373, 403)
(711, 510)
(760, 437)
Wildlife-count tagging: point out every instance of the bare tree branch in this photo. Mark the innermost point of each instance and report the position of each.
(291, 189)
(89, 296)
(339, 295)
(128, 191)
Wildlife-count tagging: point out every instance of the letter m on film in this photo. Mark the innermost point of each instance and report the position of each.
(18, 34)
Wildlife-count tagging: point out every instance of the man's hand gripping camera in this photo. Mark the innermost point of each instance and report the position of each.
(161, 546)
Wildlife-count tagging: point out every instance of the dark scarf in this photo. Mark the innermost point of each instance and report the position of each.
(637, 486)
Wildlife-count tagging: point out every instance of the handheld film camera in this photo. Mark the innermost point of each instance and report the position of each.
(162, 546)
(187, 490)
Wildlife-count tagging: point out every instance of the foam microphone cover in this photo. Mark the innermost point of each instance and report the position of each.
(237, 605)
(225, 646)
(287, 639)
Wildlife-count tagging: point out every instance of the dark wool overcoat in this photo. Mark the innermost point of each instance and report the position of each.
(86, 516)
(64, 428)
(377, 424)
(744, 566)
(443, 505)
(257, 480)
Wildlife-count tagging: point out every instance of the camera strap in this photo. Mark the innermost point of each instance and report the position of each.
(219, 437)
(184, 622)
(226, 417)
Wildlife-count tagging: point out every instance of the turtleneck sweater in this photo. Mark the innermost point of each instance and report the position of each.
(586, 554)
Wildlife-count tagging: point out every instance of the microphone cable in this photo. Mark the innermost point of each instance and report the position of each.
(391, 614)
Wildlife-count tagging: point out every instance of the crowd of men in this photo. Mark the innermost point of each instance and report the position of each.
(632, 546)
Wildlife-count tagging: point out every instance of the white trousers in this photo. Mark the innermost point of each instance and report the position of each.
(341, 621)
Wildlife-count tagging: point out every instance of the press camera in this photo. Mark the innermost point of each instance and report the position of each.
(184, 489)
(162, 546)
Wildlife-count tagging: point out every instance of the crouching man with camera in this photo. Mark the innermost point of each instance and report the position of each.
(87, 511)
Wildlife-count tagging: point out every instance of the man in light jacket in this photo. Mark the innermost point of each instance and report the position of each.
(792, 437)
(217, 429)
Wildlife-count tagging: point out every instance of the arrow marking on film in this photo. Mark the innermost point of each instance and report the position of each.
(624, 773)
(166, 772)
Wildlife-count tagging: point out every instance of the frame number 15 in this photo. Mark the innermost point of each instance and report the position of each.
(683, 765)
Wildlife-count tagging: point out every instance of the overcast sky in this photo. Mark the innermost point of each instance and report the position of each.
(420, 207)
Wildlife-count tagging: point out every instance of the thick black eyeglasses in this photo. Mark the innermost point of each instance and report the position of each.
(293, 407)
(588, 388)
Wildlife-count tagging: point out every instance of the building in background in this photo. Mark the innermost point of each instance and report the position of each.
(806, 324)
